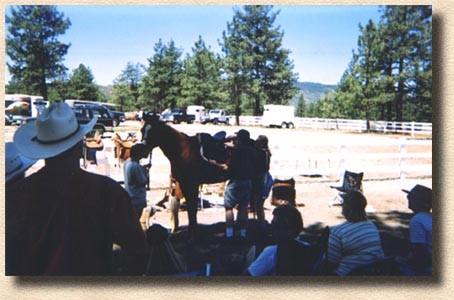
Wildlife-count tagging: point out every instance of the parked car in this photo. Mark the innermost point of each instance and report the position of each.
(182, 116)
(216, 116)
(118, 117)
(84, 113)
(167, 115)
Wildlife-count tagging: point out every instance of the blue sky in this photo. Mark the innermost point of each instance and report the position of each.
(105, 38)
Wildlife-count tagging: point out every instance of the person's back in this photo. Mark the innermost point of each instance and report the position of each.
(421, 230)
(63, 220)
(356, 242)
(354, 245)
(241, 164)
(68, 223)
(420, 256)
(136, 178)
(287, 257)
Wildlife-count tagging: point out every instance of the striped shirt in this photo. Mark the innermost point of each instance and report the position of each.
(352, 245)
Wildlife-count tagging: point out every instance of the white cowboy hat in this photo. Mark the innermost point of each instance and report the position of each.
(53, 132)
(15, 163)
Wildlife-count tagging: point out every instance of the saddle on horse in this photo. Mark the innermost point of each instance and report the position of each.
(91, 144)
(123, 146)
(213, 148)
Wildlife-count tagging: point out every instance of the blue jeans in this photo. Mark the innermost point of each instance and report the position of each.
(238, 191)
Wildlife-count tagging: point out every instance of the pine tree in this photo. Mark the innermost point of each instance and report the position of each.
(390, 75)
(161, 85)
(301, 106)
(126, 87)
(32, 45)
(256, 62)
(408, 32)
(81, 85)
(201, 81)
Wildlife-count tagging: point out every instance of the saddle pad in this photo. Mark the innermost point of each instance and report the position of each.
(94, 145)
(284, 182)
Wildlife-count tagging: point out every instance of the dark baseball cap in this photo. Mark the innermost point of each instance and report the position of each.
(243, 135)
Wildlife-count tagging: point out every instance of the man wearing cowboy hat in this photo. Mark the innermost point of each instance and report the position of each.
(419, 261)
(63, 220)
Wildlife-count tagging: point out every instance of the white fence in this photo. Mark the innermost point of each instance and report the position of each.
(411, 128)
(401, 158)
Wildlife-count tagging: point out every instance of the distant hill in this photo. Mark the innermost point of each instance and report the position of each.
(106, 90)
(312, 91)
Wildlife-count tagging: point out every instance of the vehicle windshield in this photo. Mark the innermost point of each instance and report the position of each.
(214, 111)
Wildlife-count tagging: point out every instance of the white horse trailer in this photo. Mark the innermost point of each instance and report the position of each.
(20, 107)
(278, 116)
(197, 110)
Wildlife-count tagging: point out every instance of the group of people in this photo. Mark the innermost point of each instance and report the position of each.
(62, 220)
(248, 166)
(352, 245)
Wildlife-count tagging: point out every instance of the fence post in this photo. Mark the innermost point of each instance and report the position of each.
(341, 161)
(403, 152)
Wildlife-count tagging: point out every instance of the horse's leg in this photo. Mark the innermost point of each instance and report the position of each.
(174, 208)
(191, 191)
(221, 189)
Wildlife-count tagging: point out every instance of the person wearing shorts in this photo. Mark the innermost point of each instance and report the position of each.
(238, 191)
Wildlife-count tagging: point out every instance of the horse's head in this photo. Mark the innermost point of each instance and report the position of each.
(149, 138)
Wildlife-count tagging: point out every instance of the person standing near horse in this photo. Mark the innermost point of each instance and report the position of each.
(63, 220)
(240, 167)
(135, 178)
(262, 166)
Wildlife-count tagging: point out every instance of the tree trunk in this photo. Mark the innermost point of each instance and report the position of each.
(400, 92)
(237, 106)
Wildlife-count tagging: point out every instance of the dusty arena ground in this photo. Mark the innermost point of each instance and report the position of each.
(315, 159)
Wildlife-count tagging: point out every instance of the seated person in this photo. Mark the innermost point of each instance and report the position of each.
(162, 259)
(354, 243)
(278, 259)
(419, 261)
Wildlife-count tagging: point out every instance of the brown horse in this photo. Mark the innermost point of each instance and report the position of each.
(188, 166)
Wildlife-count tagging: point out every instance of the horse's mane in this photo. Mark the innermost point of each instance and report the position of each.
(175, 144)
(169, 130)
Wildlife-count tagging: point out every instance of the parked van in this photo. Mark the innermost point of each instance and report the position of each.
(278, 115)
(197, 110)
(19, 107)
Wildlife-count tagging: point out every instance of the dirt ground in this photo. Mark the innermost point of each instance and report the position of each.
(298, 154)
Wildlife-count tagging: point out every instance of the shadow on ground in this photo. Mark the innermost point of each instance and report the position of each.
(228, 257)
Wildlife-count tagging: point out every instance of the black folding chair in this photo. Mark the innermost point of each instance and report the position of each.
(351, 182)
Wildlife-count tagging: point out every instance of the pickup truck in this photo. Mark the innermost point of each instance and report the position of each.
(182, 116)
(216, 116)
